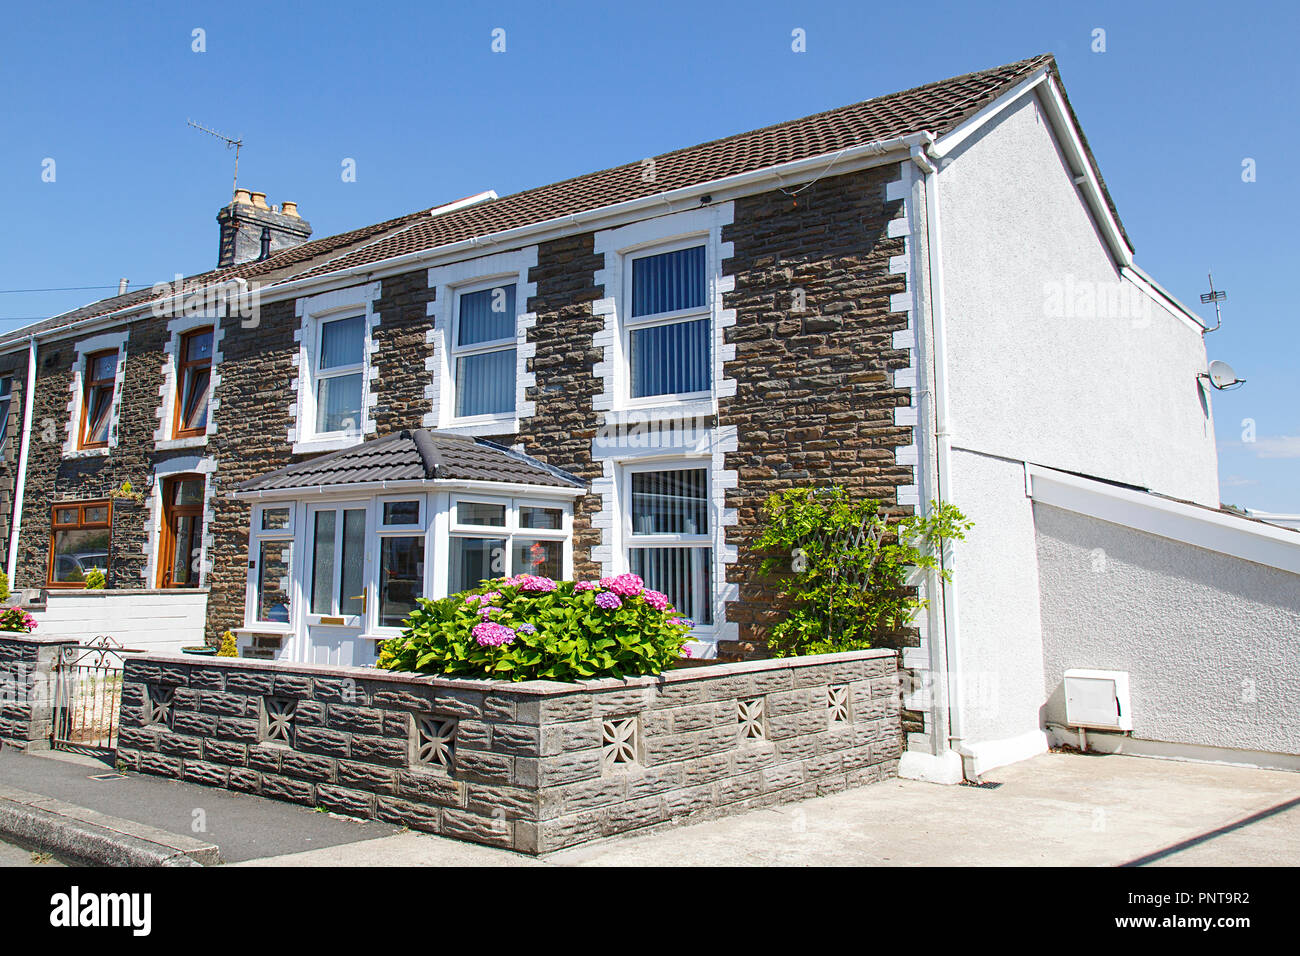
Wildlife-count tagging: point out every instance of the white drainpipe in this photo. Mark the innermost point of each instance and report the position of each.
(943, 454)
(20, 483)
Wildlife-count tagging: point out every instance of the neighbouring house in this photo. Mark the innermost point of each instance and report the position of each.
(923, 296)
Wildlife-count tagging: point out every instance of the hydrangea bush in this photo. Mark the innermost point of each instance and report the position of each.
(16, 619)
(533, 628)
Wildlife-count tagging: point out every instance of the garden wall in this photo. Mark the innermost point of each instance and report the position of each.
(27, 665)
(534, 766)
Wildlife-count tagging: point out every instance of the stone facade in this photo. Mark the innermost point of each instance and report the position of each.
(814, 330)
(533, 766)
(814, 399)
(27, 678)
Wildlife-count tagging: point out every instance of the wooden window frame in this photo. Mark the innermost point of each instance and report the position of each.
(88, 389)
(80, 524)
(166, 533)
(183, 369)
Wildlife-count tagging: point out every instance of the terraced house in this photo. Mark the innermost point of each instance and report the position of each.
(612, 373)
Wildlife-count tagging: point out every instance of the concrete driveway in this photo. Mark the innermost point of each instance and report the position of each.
(1060, 809)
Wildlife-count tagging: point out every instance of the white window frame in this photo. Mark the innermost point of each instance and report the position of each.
(456, 351)
(368, 564)
(317, 312)
(256, 535)
(709, 539)
(510, 531)
(679, 316)
(377, 532)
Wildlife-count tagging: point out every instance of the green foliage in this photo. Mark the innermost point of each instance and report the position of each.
(16, 619)
(559, 634)
(228, 648)
(846, 567)
(4, 586)
(95, 580)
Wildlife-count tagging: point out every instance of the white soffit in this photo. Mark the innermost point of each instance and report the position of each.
(1179, 521)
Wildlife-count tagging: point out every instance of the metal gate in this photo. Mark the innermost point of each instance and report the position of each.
(88, 696)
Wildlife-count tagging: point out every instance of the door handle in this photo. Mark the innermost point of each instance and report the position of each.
(362, 595)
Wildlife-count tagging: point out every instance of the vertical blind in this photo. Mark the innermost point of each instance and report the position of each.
(670, 359)
(668, 282)
(487, 315)
(670, 502)
(680, 573)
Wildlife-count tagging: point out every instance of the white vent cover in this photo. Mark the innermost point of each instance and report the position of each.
(1098, 699)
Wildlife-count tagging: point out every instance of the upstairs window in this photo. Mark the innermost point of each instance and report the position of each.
(668, 329)
(97, 398)
(193, 383)
(484, 352)
(671, 547)
(180, 558)
(79, 541)
(340, 361)
(6, 394)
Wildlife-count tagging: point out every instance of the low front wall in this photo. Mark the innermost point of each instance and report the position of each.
(533, 766)
(160, 621)
(27, 676)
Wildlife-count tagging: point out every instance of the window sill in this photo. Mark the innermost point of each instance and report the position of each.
(669, 410)
(275, 630)
(168, 444)
(88, 453)
(477, 427)
(315, 445)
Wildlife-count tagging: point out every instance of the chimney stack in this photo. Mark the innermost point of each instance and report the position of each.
(252, 230)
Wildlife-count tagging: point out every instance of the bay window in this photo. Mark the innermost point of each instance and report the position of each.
(401, 559)
(503, 537)
(483, 351)
(668, 329)
(670, 544)
(271, 550)
(339, 375)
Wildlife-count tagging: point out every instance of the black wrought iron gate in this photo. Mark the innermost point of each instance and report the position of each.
(88, 696)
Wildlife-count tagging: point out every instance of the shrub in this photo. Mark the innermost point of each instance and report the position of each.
(4, 586)
(228, 647)
(846, 567)
(16, 619)
(95, 580)
(533, 628)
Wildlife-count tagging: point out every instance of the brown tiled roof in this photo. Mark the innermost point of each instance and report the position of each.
(416, 455)
(935, 107)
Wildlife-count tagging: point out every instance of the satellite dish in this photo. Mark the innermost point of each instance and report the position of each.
(1222, 376)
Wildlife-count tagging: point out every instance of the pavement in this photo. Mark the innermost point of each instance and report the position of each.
(1058, 809)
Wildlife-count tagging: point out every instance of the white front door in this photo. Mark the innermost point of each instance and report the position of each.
(337, 585)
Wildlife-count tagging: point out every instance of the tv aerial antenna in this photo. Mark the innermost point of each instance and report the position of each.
(1216, 296)
(234, 144)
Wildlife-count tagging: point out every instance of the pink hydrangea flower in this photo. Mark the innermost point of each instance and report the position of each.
(656, 599)
(492, 634)
(686, 651)
(609, 602)
(625, 585)
(680, 620)
(534, 582)
(586, 586)
(484, 611)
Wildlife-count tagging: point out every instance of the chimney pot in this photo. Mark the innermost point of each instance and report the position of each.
(289, 209)
(121, 286)
(242, 195)
(259, 200)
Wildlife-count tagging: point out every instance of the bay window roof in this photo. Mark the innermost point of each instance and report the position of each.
(414, 455)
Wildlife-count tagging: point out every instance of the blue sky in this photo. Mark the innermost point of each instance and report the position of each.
(1182, 95)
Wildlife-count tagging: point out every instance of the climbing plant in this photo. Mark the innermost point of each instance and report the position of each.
(845, 566)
